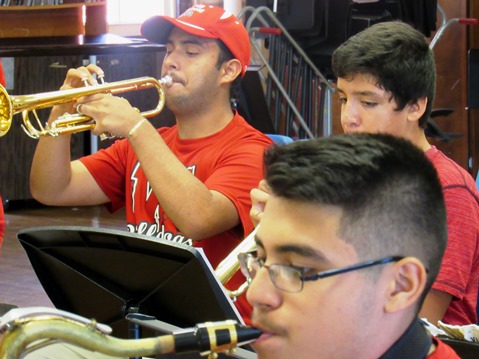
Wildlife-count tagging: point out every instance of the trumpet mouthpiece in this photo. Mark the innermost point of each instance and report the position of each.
(166, 80)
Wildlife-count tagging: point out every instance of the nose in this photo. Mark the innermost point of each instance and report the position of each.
(262, 293)
(170, 62)
(350, 119)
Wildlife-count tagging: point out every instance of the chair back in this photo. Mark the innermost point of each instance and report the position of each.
(280, 139)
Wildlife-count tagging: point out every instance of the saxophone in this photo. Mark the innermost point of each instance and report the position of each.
(27, 329)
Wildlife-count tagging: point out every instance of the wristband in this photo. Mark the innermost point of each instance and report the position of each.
(136, 127)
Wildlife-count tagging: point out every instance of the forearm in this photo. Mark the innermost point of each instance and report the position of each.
(51, 168)
(435, 306)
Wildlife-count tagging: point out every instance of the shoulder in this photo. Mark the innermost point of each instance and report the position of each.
(244, 126)
(237, 138)
(450, 173)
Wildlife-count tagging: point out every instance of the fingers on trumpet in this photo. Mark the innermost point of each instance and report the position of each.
(83, 76)
(258, 199)
(255, 214)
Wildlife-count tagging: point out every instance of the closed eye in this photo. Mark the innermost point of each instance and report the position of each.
(369, 104)
(304, 271)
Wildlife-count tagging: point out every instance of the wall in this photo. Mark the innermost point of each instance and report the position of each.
(451, 91)
(474, 113)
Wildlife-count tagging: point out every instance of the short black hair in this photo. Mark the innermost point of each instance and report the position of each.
(397, 56)
(387, 189)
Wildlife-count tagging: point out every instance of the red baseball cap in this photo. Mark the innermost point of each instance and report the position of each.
(205, 21)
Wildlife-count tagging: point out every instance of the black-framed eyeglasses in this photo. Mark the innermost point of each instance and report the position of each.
(291, 279)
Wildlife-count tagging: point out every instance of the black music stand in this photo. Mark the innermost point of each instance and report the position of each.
(107, 274)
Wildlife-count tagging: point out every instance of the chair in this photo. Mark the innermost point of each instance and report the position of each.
(280, 139)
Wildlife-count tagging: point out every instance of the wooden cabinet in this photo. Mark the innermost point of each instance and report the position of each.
(474, 113)
(31, 75)
(73, 17)
(450, 53)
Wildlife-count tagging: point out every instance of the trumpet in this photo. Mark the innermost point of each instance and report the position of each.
(28, 329)
(230, 265)
(70, 123)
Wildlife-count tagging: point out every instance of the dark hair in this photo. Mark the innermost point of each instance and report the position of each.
(226, 55)
(398, 56)
(388, 190)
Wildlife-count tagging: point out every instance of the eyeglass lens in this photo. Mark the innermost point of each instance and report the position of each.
(283, 277)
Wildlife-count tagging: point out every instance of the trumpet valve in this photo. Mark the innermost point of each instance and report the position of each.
(101, 78)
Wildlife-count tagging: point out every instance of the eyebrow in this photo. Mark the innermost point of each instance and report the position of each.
(303, 251)
(361, 93)
(186, 42)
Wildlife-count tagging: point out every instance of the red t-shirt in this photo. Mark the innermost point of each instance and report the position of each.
(2, 221)
(443, 351)
(459, 270)
(230, 162)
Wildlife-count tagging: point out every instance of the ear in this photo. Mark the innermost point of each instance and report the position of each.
(406, 285)
(417, 109)
(231, 70)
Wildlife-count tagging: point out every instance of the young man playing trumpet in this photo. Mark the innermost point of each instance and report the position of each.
(189, 183)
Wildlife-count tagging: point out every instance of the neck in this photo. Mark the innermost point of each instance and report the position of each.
(418, 137)
(423, 143)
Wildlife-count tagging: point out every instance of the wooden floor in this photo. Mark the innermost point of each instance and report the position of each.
(18, 282)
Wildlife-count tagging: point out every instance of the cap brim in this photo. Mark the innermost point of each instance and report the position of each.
(157, 29)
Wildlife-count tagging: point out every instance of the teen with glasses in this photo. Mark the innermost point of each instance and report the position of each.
(350, 241)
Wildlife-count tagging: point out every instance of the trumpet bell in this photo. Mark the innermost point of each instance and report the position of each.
(6, 111)
(230, 265)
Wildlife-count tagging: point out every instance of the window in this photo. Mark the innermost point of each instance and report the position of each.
(136, 11)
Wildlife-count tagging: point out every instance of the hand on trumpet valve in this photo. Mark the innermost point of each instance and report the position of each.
(85, 82)
(259, 197)
(78, 109)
